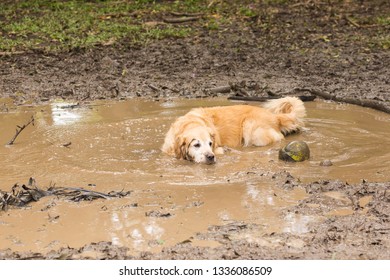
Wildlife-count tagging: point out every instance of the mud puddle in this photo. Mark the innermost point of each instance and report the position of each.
(115, 145)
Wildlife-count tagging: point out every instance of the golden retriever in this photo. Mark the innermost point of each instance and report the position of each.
(203, 132)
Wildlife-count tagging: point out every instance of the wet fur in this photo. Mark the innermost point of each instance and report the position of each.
(235, 126)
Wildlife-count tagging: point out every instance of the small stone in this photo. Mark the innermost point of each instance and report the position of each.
(326, 162)
(295, 151)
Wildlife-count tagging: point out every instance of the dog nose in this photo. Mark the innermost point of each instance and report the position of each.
(210, 158)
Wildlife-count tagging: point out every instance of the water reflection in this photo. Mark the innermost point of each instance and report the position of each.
(66, 113)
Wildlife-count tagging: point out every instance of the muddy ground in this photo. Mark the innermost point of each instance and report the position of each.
(309, 47)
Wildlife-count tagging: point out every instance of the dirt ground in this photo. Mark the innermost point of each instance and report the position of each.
(310, 47)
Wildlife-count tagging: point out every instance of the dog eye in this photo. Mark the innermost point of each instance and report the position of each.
(197, 145)
(210, 143)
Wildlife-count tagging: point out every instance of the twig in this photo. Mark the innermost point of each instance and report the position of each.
(353, 22)
(153, 87)
(373, 104)
(250, 98)
(183, 14)
(77, 193)
(11, 53)
(181, 19)
(304, 98)
(171, 89)
(18, 131)
(213, 2)
(22, 195)
(66, 145)
(300, 4)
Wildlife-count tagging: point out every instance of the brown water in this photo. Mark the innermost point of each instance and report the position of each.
(115, 146)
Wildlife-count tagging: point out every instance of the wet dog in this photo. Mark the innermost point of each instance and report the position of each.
(202, 133)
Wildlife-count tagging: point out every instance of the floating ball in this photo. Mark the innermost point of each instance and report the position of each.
(295, 151)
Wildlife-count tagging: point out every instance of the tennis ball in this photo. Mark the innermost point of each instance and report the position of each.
(295, 151)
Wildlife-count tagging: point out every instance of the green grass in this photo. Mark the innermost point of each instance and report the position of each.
(246, 11)
(381, 41)
(66, 25)
(383, 20)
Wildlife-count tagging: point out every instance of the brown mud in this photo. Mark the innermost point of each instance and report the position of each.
(360, 231)
(310, 48)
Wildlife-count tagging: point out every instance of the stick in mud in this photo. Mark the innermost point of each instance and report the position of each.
(373, 104)
(21, 195)
(67, 145)
(304, 98)
(19, 129)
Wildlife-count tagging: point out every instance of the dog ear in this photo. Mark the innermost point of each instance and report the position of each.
(215, 138)
(180, 147)
(212, 135)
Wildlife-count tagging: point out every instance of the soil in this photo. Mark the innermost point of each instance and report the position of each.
(306, 48)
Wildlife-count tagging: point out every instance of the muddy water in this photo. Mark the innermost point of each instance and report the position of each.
(108, 146)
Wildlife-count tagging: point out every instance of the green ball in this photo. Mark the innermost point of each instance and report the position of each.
(295, 151)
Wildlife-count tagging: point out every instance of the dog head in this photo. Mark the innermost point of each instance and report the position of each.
(197, 145)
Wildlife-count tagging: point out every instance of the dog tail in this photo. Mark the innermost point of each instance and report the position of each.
(291, 112)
